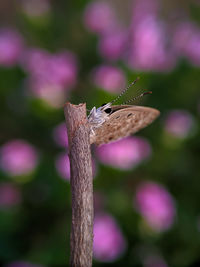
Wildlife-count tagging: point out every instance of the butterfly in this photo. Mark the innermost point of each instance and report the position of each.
(109, 122)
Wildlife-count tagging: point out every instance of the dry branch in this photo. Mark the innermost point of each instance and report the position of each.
(81, 241)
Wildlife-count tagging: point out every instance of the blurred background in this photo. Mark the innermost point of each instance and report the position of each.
(147, 186)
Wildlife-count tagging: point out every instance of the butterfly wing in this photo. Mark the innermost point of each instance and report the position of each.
(123, 121)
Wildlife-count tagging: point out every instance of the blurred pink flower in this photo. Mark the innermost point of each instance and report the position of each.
(60, 135)
(55, 70)
(63, 68)
(156, 205)
(99, 17)
(124, 154)
(148, 47)
(9, 195)
(50, 75)
(112, 45)
(62, 164)
(186, 41)
(22, 264)
(11, 47)
(109, 243)
(52, 95)
(143, 9)
(179, 123)
(182, 34)
(112, 79)
(18, 157)
(35, 60)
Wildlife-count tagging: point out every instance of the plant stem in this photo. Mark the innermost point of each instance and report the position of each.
(81, 180)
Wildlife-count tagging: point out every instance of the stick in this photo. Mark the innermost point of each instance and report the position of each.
(81, 240)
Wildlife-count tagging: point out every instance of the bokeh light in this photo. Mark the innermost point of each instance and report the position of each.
(60, 135)
(179, 123)
(18, 157)
(156, 205)
(124, 154)
(109, 242)
(11, 47)
(110, 78)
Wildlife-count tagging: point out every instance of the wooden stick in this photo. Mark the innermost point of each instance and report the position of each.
(81, 241)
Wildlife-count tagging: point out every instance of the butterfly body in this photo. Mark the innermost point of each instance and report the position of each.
(109, 123)
(98, 116)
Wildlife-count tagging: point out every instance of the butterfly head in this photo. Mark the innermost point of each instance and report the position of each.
(105, 108)
(97, 116)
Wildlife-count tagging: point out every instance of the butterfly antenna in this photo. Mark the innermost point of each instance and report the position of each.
(124, 91)
(139, 96)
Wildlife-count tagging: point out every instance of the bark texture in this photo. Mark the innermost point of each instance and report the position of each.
(81, 241)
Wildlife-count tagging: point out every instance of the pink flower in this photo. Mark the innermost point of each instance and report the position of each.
(109, 78)
(109, 243)
(9, 195)
(18, 157)
(11, 47)
(35, 61)
(63, 166)
(179, 123)
(149, 47)
(148, 51)
(51, 95)
(156, 205)
(50, 75)
(186, 40)
(182, 35)
(99, 17)
(63, 68)
(143, 9)
(55, 70)
(124, 154)
(60, 135)
(112, 45)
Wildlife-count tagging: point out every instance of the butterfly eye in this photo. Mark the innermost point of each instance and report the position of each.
(108, 110)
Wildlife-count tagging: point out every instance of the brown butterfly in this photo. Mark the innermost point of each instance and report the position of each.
(109, 123)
